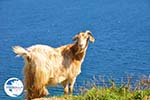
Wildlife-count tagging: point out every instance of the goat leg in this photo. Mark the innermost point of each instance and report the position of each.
(72, 81)
(65, 85)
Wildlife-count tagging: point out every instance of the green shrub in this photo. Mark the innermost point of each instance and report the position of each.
(113, 92)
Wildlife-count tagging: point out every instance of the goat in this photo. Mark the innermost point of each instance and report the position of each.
(47, 66)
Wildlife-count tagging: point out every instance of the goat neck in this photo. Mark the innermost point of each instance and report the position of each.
(77, 52)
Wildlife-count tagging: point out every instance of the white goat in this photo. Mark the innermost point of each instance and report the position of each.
(45, 65)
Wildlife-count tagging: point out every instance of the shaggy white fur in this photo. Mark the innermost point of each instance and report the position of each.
(45, 65)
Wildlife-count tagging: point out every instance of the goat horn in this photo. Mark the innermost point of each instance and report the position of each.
(89, 32)
(91, 36)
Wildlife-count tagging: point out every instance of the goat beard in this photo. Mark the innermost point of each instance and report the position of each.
(80, 50)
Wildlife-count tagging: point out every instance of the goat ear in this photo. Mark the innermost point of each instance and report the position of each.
(75, 38)
(91, 38)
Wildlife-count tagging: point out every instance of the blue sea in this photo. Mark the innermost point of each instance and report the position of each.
(121, 29)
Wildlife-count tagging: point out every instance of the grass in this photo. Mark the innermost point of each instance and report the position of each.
(112, 92)
(98, 93)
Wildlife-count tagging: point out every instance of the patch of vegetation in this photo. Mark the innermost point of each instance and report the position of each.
(98, 93)
(141, 91)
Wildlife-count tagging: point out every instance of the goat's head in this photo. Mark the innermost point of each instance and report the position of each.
(82, 39)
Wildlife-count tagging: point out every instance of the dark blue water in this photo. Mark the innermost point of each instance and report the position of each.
(121, 29)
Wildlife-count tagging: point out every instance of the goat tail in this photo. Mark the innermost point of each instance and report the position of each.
(20, 51)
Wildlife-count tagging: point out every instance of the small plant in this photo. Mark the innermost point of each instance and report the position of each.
(111, 92)
(114, 92)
